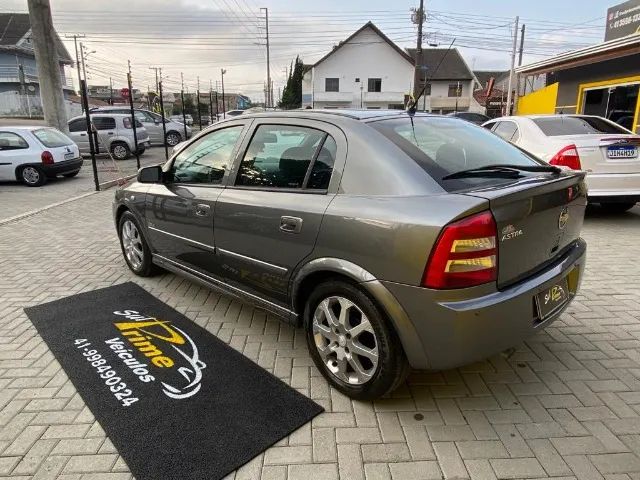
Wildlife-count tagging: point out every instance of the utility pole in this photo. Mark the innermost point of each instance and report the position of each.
(419, 57)
(164, 125)
(184, 116)
(133, 114)
(44, 41)
(513, 64)
(75, 44)
(156, 69)
(211, 103)
(111, 86)
(269, 87)
(198, 104)
(521, 45)
(217, 109)
(224, 108)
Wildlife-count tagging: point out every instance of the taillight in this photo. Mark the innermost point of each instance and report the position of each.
(464, 255)
(127, 122)
(47, 158)
(567, 157)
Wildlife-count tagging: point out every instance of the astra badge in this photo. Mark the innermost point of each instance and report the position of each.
(563, 218)
(510, 232)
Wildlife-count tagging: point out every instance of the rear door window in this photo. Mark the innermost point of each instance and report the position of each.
(441, 146)
(289, 157)
(104, 123)
(577, 125)
(12, 141)
(507, 131)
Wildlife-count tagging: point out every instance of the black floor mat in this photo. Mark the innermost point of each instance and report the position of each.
(177, 402)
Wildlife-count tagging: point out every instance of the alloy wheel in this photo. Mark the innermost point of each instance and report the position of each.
(119, 151)
(173, 139)
(132, 244)
(345, 340)
(31, 175)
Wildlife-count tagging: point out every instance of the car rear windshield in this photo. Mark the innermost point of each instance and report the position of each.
(556, 126)
(445, 145)
(52, 138)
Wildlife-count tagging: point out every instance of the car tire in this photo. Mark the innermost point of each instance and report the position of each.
(361, 377)
(71, 174)
(617, 207)
(173, 138)
(141, 150)
(120, 150)
(32, 176)
(134, 246)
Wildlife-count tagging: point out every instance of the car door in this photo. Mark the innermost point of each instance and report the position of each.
(106, 129)
(14, 151)
(269, 216)
(78, 133)
(180, 211)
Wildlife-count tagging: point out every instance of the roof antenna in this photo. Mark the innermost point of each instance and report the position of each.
(412, 106)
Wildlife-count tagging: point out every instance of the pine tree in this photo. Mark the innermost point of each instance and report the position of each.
(292, 93)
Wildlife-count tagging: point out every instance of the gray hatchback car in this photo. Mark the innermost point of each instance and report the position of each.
(394, 240)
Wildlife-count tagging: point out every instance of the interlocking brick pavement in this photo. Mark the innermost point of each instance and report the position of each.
(565, 405)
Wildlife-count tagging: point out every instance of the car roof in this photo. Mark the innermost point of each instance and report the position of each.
(28, 128)
(102, 114)
(327, 114)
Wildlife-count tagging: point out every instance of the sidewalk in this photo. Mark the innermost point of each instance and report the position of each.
(567, 404)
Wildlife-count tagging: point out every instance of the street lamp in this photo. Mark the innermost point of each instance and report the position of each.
(224, 108)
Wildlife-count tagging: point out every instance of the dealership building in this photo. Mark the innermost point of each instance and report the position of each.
(602, 79)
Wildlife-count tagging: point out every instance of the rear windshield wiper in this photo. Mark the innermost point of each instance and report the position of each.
(504, 170)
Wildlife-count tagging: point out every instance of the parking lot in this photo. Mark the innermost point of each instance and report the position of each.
(565, 405)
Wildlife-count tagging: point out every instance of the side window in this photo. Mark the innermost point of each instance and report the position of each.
(206, 160)
(507, 130)
(12, 141)
(104, 123)
(143, 116)
(78, 125)
(279, 156)
(489, 126)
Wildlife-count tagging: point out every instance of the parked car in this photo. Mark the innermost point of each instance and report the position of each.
(394, 240)
(189, 119)
(33, 154)
(605, 150)
(473, 117)
(114, 132)
(152, 122)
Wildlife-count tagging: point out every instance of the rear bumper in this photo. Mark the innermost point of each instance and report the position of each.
(454, 330)
(59, 168)
(602, 185)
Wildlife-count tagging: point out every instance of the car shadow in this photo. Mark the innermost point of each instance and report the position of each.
(596, 214)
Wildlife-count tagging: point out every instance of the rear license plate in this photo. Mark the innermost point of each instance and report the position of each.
(622, 151)
(552, 299)
(69, 156)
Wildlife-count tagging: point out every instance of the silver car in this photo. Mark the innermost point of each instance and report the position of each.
(113, 133)
(393, 240)
(152, 122)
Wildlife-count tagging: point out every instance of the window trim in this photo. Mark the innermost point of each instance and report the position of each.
(15, 148)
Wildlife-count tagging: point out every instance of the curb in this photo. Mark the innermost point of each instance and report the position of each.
(42, 209)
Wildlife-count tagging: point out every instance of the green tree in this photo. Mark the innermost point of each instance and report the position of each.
(292, 93)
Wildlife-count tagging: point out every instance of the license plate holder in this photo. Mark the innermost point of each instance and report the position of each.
(622, 152)
(69, 156)
(552, 299)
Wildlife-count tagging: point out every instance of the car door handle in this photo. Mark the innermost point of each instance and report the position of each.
(203, 210)
(290, 224)
(109, 133)
(83, 134)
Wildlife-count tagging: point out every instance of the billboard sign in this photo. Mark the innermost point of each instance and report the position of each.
(623, 20)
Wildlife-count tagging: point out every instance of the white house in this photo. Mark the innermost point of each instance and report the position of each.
(367, 70)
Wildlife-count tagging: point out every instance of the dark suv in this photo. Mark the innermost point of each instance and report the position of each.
(393, 239)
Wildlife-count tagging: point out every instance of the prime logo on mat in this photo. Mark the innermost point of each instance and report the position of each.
(137, 362)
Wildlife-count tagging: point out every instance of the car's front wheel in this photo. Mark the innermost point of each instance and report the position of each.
(617, 207)
(134, 246)
(32, 176)
(352, 343)
(173, 138)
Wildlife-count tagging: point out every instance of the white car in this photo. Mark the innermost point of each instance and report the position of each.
(113, 132)
(33, 154)
(604, 149)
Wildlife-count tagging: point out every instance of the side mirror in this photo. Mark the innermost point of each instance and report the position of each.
(151, 174)
(157, 122)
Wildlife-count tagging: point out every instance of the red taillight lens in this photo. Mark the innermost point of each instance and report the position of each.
(567, 157)
(464, 255)
(47, 158)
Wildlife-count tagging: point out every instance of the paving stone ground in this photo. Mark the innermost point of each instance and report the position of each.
(565, 405)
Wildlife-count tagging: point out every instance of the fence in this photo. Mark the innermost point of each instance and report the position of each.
(12, 104)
